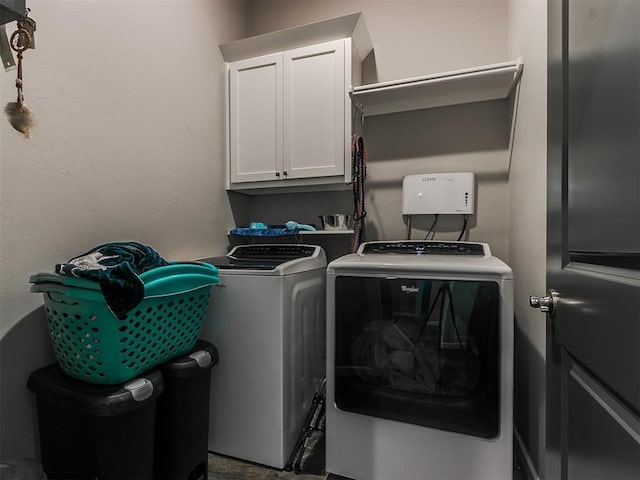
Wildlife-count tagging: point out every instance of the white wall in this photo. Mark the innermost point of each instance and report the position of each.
(412, 38)
(129, 145)
(527, 222)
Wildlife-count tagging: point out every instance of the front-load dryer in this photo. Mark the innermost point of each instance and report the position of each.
(268, 323)
(419, 362)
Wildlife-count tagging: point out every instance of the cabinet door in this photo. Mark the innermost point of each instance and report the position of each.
(314, 110)
(255, 119)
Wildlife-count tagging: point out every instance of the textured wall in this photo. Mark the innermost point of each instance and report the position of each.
(129, 145)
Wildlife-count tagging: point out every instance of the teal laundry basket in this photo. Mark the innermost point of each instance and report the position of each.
(93, 345)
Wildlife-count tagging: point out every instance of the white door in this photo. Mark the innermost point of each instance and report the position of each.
(314, 110)
(593, 349)
(255, 119)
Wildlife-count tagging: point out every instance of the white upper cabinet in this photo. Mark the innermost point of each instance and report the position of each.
(314, 111)
(255, 119)
(289, 110)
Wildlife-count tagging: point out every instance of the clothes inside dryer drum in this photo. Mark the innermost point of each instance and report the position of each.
(419, 351)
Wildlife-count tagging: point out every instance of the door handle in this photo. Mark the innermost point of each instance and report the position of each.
(548, 304)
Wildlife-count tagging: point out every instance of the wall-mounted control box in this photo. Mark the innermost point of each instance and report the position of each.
(441, 193)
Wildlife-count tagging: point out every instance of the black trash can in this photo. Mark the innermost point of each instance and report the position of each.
(182, 417)
(90, 431)
(21, 469)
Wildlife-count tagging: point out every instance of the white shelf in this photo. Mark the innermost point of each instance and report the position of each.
(477, 84)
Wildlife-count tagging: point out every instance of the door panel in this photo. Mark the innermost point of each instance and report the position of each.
(598, 328)
(593, 228)
(603, 125)
(606, 445)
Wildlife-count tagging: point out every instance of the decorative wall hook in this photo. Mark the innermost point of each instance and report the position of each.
(20, 116)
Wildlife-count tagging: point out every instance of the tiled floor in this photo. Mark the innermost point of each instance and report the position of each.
(312, 465)
(221, 468)
(224, 468)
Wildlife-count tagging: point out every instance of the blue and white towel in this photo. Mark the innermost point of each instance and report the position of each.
(115, 267)
(263, 232)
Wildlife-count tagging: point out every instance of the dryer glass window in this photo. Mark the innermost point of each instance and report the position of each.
(419, 351)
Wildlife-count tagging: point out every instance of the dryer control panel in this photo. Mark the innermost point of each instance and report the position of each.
(423, 248)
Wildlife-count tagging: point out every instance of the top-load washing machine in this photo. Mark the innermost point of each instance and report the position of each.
(419, 362)
(268, 323)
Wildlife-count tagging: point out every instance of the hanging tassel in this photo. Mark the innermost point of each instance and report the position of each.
(20, 116)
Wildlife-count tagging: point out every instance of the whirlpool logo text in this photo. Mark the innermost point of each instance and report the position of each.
(408, 290)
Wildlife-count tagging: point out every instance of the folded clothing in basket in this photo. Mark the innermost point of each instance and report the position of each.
(115, 267)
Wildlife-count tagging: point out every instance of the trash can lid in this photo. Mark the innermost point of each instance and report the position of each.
(202, 357)
(52, 384)
(21, 469)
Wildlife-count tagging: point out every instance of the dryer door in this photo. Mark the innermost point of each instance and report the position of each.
(418, 350)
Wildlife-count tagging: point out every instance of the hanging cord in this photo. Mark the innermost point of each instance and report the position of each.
(20, 42)
(454, 321)
(359, 167)
(439, 296)
(449, 295)
(464, 227)
(426, 237)
(359, 108)
(445, 296)
(408, 235)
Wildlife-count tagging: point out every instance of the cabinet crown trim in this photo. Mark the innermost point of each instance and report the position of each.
(347, 26)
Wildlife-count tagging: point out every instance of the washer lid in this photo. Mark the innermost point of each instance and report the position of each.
(270, 257)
